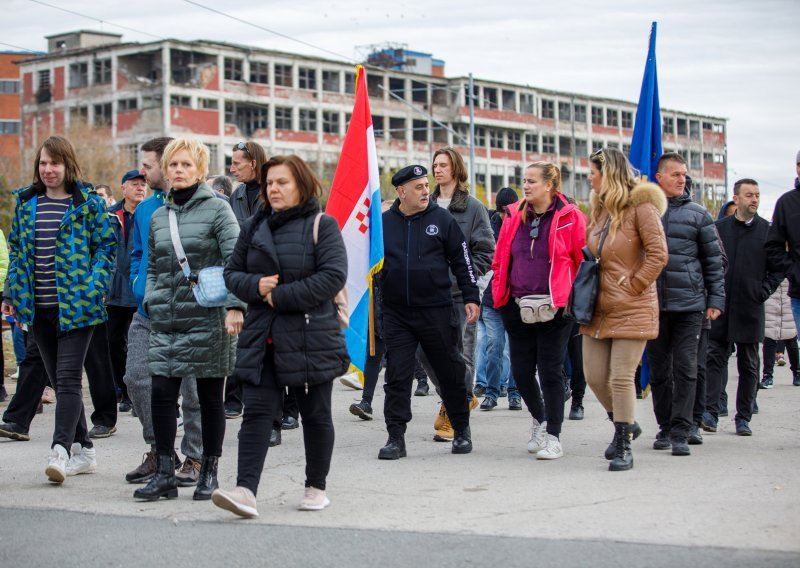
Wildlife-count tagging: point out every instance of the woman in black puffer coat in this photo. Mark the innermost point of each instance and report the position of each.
(291, 335)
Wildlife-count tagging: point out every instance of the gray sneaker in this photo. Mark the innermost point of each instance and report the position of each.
(695, 437)
(189, 473)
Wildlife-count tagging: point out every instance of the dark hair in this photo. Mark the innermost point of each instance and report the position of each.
(456, 162)
(307, 182)
(157, 145)
(60, 151)
(670, 157)
(224, 183)
(253, 151)
(741, 182)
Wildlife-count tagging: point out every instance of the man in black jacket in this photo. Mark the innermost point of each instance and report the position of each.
(691, 286)
(422, 244)
(748, 284)
(783, 244)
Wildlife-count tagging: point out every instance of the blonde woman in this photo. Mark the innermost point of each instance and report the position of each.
(627, 217)
(187, 339)
(538, 254)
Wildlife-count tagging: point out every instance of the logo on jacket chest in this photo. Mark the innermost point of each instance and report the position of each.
(432, 230)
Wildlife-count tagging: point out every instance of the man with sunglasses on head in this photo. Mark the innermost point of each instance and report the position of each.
(246, 162)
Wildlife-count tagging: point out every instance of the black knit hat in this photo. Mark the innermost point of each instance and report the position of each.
(505, 197)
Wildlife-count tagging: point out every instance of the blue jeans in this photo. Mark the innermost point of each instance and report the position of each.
(493, 364)
(18, 336)
(796, 313)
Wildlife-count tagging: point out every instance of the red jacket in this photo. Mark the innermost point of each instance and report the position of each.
(565, 241)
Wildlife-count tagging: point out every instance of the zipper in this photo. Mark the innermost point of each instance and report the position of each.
(408, 249)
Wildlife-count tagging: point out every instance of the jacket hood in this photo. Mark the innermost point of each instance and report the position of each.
(681, 199)
(396, 208)
(79, 193)
(721, 214)
(459, 201)
(648, 193)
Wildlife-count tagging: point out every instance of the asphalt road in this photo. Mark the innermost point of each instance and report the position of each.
(734, 502)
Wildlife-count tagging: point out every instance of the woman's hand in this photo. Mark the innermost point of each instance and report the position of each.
(266, 284)
(234, 320)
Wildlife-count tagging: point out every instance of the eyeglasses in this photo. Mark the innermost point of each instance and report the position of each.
(535, 227)
(599, 154)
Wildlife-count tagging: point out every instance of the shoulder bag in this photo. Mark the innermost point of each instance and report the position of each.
(342, 305)
(208, 285)
(580, 306)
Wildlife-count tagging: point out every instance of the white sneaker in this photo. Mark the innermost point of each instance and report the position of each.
(83, 460)
(351, 380)
(552, 449)
(239, 501)
(15, 376)
(56, 469)
(537, 441)
(313, 500)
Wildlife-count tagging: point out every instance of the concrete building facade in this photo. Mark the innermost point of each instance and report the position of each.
(224, 93)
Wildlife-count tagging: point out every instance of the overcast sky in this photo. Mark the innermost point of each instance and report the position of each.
(734, 59)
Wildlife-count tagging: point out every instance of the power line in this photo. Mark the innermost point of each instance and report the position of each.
(262, 28)
(96, 19)
(19, 47)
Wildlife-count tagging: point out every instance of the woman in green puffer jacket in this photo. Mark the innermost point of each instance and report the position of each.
(187, 339)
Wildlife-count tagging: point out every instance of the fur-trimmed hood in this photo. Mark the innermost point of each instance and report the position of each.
(644, 192)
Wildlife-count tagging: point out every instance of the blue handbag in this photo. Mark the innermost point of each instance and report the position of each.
(208, 285)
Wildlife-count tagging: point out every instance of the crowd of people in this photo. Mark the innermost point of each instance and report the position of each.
(204, 302)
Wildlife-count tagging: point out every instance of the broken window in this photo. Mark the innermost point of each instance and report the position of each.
(102, 71)
(102, 115)
(125, 105)
(397, 87)
(233, 69)
(349, 83)
(180, 101)
(331, 81)
(509, 100)
(259, 72)
(283, 118)
(397, 128)
(330, 122)
(420, 130)
(283, 75)
(78, 75)
(419, 92)
(248, 118)
(490, 98)
(307, 78)
(308, 120)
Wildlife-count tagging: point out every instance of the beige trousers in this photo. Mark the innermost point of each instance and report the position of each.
(610, 367)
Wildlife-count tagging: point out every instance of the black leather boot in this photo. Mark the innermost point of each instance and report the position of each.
(394, 449)
(207, 481)
(623, 458)
(462, 441)
(636, 431)
(163, 483)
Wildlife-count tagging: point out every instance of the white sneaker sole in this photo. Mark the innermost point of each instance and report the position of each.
(352, 382)
(55, 474)
(313, 507)
(224, 502)
(549, 456)
(90, 469)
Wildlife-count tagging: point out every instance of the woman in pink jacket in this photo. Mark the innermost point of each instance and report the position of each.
(537, 257)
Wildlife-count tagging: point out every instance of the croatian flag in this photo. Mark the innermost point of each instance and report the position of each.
(355, 202)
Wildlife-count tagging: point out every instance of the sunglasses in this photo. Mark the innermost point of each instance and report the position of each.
(241, 146)
(535, 228)
(599, 154)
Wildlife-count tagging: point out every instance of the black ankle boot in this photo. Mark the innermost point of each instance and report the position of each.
(462, 441)
(163, 483)
(623, 458)
(207, 481)
(394, 449)
(636, 431)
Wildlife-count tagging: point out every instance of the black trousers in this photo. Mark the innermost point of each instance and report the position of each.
(673, 370)
(747, 364)
(262, 404)
(30, 386)
(700, 390)
(100, 374)
(63, 354)
(437, 332)
(119, 320)
(539, 349)
(771, 347)
(372, 368)
(212, 413)
(575, 354)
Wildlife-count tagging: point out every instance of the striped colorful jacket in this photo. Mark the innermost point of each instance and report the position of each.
(84, 258)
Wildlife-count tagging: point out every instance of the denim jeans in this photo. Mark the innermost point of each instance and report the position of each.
(796, 313)
(493, 364)
(19, 337)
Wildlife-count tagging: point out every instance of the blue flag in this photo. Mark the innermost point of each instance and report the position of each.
(646, 143)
